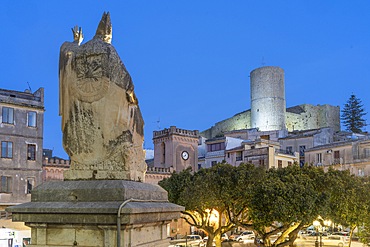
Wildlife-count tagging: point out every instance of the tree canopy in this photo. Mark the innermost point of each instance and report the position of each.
(213, 198)
(352, 115)
(276, 203)
(349, 199)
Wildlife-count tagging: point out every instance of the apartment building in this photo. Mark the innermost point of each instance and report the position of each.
(21, 137)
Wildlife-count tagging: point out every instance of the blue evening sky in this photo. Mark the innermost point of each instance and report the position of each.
(190, 59)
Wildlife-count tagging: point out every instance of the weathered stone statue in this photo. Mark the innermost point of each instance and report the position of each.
(101, 202)
(101, 121)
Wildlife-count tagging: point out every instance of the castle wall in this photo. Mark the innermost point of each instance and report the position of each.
(301, 117)
(237, 122)
(305, 117)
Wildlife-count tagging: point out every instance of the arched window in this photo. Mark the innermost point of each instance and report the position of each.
(163, 152)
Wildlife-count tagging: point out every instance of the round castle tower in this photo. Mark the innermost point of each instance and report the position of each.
(268, 98)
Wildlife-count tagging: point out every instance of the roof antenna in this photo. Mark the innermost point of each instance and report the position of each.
(29, 87)
(159, 123)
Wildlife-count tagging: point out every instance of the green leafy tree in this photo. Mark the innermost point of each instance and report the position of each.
(349, 199)
(352, 115)
(213, 198)
(286, 201)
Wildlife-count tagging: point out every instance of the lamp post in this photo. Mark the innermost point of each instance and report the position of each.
(316, 224)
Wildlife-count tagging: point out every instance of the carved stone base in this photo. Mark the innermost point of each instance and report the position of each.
(85, 213)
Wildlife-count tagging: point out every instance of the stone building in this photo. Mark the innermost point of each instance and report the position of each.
(21, 136)
(299, 141)
(265, 153)
(352, 154)
(176, 148)
(268, 110)
(53, 167)
(214, 150)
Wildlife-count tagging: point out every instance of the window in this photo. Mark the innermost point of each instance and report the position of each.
(318, 158)
(265, 137)
(336, 155)
(280, 164)
(31, 152)
(289, 150)
(302, 150)
(213, 163)
(8, 115)
(31, 119)
(289, 163)
(163, 150)
(6, 184)
(239, 156)
(7, 150)
(262, 162)
(361, 172)
(216, 146)
(29, 185)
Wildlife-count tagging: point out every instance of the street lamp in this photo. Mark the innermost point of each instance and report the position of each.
(316, 224)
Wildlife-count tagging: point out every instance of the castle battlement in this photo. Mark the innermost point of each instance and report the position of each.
(55, 162)
(175, 131)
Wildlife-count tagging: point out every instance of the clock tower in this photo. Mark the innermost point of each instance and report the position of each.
(177, 148)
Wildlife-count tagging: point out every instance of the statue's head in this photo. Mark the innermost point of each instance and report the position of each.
(104, 31)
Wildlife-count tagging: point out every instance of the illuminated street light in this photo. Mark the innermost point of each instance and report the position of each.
(316, 224)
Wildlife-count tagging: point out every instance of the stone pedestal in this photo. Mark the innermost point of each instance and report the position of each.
(85, 213)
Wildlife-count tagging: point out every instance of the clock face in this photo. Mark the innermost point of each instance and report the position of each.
(185, 155)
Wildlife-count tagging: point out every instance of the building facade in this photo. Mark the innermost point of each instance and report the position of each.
(352, 155)
(176, 148)
(21, 137)
(53, 167)
(299, 141)
(263, 153)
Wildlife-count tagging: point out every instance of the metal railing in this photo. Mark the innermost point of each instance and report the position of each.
(5, 215)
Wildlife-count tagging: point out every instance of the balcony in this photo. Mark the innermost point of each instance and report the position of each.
(361, 158)
(282, 151)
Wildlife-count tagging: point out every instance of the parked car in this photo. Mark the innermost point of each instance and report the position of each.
(224, 237)
(246, 236)
(335, 240)
(189, 241)
(341, 233)
(233, 237)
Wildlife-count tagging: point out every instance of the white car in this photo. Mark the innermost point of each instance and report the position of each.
(189, 241)
(335, 240)
(246, 236)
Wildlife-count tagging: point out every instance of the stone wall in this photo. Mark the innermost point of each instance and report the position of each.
(301, 117)
(305, 117)
(237, 122)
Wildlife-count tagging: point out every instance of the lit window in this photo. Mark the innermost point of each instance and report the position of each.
(7, 150)
(6, 184)
(31, 119)
(31, 152)
(8, 115)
